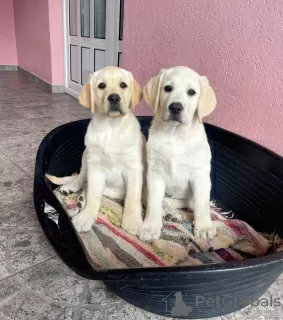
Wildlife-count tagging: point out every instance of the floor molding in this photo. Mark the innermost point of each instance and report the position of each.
(8, 67)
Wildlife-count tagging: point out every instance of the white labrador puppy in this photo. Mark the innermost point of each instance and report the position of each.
(112, 163)
(178, 154)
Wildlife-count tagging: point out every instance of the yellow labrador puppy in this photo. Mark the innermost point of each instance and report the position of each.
(178, 154)
(112, 163)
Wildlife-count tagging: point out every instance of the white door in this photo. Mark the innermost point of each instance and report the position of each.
(94, 38)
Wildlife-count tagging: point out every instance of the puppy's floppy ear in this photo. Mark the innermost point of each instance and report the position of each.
(86, 97)
(207, 100)
(151, 91)
(136, 93)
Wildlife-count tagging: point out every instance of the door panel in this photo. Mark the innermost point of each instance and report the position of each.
(73, 12)
(85, 64)
(94, 39)
(85, 18)
(119, 59)
(121, 19)
(74, 63)
(99, 19)
(99, 59)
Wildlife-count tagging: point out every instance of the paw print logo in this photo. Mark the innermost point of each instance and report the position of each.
(175, 305)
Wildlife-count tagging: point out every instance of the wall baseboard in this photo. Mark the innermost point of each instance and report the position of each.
(8, 67)
(45, 85)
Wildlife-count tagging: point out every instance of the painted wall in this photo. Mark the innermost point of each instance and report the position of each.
(33, 39)
(39, 34)
(56, 26)
(8, 51)
(238, 45)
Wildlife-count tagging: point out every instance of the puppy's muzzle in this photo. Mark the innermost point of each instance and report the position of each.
(114, 104)
(175, 110)
(114, 99)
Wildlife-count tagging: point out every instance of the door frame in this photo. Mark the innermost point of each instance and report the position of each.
(112, 32)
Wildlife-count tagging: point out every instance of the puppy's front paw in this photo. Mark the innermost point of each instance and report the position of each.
(204, 228)
(174, 216)
(81, 202)
(131, 222)
(167, 204)
(84, 220)
(150, 230)
(68, 189)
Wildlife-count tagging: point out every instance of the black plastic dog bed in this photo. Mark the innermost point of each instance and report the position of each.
(246, 178)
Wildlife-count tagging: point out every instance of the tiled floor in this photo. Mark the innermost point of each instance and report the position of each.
(34, 283)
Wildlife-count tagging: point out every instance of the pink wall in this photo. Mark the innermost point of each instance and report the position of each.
(237, 44)
(8, 51)
(39, 34)
(33, 40)
(56, 41)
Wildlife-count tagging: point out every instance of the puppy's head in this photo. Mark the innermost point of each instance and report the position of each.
(180, 95)
(111, 91)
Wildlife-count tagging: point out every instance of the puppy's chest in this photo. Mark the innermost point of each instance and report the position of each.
(110, 148)
(176, 168)
(171, 156)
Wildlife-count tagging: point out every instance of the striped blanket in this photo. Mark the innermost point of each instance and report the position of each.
(107, 245)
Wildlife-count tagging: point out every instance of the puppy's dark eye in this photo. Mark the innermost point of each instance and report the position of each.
(191, 92)
(123, 85)
(168, 89)
(102, 85)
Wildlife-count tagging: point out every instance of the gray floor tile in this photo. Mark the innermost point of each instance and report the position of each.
(18, 214)
(78, 110)
(4, 243)
(23, 306)
(29, 99)
(69, 314)
(126, 312)
(10, 172)
(48, 290)
(151, 316)
(58, 105)
(28, 237)
(9, 115)
(23, 98)
(3, 318)
(24, 127)
(52, 312)
(68, 289)
(23, 258)
(10, 128)
(32, 112)
(40, 277)
(22, 243)
(10, 287)
(27, 165)
(16, 190)
(21, 147)
(89, 315)
(97, 293)
(5, 271)
(46, 124)
(54, 281)
(23, 248)
(2, 156)
(15, 103)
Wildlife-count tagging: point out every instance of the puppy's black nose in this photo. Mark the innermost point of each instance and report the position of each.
(175, 108)
(114, 98)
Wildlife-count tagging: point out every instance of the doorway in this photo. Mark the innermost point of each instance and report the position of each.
(94, 32)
